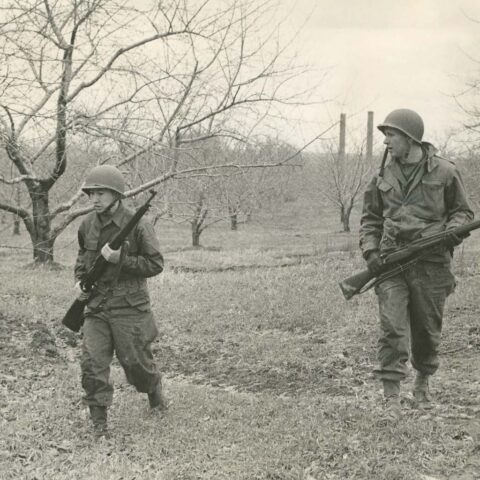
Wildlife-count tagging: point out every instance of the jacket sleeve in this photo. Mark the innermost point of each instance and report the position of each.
(149, 261)
(371, 222)
(458, 208)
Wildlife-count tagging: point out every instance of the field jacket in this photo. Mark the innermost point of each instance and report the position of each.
(143, 258)
(395, 212)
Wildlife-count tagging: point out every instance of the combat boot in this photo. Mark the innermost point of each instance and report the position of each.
(157, 399)
(421, 391)
(392, 406)
(98, 415)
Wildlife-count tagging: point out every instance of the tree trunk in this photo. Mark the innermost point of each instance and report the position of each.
(345, 217)
(233, 219)
(16, 218)
(40, 234)
(198, 220)
(16, 225)
(196, 232)
(234, 222)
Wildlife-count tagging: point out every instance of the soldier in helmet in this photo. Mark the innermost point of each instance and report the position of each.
(118, 317)
(417, 193)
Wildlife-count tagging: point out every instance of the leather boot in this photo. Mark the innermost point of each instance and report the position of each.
(421, 391)
(392, 408)
(98, 415)
(157, 400)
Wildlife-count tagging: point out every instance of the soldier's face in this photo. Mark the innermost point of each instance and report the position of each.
(101, 198)
(397, 143)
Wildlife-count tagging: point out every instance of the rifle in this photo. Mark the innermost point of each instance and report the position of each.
(74, 317)
(400, 260)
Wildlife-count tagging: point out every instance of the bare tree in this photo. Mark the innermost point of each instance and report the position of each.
(231, 194)
(342, 179)
(88, 71)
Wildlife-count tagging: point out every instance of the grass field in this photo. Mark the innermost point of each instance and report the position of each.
(267, 367)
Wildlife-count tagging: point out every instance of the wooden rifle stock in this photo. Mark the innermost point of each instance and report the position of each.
(354, 284)
(74, 317)
(400, 260)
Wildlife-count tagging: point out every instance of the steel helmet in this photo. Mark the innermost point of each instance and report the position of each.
(104, 176)
(407, 121)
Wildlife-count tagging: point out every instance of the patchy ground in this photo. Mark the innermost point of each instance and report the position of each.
(268, 369)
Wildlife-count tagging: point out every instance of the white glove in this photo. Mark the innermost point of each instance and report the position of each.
(111, 256)
(81, 295)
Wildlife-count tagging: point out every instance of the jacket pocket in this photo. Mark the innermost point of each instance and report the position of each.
(384, 186)
(90, 245)
(433, 196)
(139, 300)
(388, 198)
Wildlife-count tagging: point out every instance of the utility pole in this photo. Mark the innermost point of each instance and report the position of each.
(343, 131)
(370, 137)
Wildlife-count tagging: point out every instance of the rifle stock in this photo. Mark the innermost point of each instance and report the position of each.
(399, 259)
(352, 285)
(74, 317)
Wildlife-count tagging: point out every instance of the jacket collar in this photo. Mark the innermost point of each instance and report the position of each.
(432, 157)
(392, 172)
(432, 161)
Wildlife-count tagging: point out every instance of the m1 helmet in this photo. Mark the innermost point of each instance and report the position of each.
(407, 121)
(104, 176)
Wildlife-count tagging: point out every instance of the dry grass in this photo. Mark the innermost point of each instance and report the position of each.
(267, 366)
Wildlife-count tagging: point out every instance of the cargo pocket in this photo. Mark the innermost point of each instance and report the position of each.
(145, 328)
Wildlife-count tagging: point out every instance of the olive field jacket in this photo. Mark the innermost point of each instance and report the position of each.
(395, 212)
(143, 258)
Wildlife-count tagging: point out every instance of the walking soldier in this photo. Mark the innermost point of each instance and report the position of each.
(416, 194)
(118, 317)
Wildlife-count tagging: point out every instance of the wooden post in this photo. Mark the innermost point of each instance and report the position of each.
(370, 137)
(343, 128)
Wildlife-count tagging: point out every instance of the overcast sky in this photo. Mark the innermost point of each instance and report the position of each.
(381, 55)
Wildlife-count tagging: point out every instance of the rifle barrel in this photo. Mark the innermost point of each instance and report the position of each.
(410, 254)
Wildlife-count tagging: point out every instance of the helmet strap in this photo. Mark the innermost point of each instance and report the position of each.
(111, 205)
(107, 212)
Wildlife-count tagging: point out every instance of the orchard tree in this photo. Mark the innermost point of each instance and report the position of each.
(136, 82)
(245, 191)
(204, 198)
(342, 178)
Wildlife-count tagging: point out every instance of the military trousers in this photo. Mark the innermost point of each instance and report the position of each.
(126, 330)
(411, 308)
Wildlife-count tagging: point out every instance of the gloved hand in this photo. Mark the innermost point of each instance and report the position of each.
(111, 256)
(81, 295)
(452, 240)
(374, 263)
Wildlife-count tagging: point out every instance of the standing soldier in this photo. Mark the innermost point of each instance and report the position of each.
(416, 194)
(118, 316)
